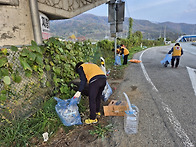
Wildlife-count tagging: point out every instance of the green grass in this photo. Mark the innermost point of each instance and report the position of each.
(101, 131)
(133, 51)
(23, 132)
(28, 132)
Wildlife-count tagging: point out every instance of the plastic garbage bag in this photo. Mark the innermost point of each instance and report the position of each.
(107, 92)
(166, 60)
(67, 111)
(117, 60)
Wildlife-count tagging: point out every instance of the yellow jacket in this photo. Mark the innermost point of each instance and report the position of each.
(177, 51)
(124, 51)
(117, 50)
(91, 70)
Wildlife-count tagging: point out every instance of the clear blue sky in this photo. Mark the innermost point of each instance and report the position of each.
(179, 11)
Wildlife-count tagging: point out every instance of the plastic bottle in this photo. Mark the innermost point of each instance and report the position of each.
(131, 118)
(130, 122)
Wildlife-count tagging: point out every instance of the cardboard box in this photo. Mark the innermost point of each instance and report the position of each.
(115, 108)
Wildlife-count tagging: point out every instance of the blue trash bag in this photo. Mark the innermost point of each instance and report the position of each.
(107, 92)
(67, 111)
(167, 59)
(117, 60)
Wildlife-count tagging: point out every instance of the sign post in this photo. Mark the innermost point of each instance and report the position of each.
(116, 18)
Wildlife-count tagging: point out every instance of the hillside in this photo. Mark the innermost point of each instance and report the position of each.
(97, 27)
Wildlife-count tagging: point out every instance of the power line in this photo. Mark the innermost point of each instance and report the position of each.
(126, 5)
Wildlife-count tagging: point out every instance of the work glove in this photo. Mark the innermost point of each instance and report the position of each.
(77, 94)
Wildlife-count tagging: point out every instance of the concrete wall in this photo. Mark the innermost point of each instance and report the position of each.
(10, 2)
(15, 24)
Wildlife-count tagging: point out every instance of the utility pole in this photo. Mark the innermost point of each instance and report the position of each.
(165, 34)
(115, 38)
(35, 21)
(160, 34)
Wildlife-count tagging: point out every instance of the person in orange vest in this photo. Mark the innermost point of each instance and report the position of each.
(117, 50)
(177, 52)
(125, 52)
(117, 57)
(122, 45)
(93, 75)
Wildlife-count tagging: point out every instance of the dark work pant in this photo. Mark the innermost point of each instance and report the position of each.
(125, 59)
(95, 92)
(177, 61)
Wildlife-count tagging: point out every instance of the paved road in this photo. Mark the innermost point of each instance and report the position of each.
(173, 91)
(165, 98)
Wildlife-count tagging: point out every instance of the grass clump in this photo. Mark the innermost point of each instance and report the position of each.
(101, 130)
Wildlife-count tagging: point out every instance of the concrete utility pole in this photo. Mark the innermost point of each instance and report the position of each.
(115, 38)
(165, 34)
(35, 21)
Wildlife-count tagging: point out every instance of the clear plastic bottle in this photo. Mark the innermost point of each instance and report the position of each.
(130, 122)
(131, 118)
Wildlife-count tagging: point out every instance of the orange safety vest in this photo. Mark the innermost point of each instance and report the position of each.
(177, 51)
(117, 50)
(91, 70)
(126, 52)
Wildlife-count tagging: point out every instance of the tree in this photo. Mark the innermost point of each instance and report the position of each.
(139, 35)
(130, 28)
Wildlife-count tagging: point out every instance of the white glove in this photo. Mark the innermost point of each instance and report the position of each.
(118, 54)
(77, 94)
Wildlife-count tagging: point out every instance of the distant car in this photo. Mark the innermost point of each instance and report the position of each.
(167, 42)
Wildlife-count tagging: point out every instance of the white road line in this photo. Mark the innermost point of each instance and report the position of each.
(192, 75)
(173, 120)
(145, 73)
(177, 126)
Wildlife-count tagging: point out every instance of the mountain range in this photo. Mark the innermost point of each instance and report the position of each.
(97, 28)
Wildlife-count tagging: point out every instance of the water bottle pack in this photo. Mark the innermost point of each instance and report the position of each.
(131, 118)
(67, 111)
